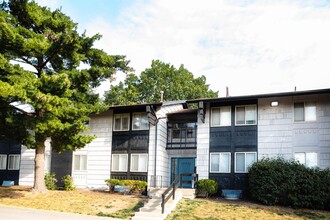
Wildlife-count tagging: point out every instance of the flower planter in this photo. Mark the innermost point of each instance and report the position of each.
(121, 189)
(232, 194)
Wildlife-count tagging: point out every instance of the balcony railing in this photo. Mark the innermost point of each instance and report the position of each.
(177, 182)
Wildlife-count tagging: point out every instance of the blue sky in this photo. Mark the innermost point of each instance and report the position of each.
(252, 47)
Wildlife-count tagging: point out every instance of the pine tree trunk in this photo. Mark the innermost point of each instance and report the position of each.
(39, 173)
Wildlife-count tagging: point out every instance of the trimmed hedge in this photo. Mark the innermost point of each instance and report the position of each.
(288, 183)
(111, 183)
(134, 185)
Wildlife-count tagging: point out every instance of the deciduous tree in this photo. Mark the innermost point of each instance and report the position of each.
(60, 94)
(177, 84)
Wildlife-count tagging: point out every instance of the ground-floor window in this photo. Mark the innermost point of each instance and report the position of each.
(3, 161)
(13, 161)
(309, 159)
(80, 162)
(119, 162)
(220, 162)
(139, 163)
(243, 160)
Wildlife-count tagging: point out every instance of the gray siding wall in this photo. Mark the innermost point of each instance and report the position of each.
(162, 156)
(26, 172)
(203, 146)
(98, 153)
(279, 135)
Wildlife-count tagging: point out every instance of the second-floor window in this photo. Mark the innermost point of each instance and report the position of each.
(121, 122)
(140, 121)
(304, 111)
(246, 115)
(181, 135)
(221, 116)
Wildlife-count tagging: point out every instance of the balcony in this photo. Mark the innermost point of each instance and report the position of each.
(181, 136)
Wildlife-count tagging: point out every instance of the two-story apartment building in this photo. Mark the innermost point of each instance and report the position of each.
(218, 140)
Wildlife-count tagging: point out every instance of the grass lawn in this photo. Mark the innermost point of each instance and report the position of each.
(123, 206)
(77, 201)
(224, 209)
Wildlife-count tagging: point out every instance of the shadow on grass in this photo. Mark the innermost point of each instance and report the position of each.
(12, 192)
(310, 215)
(123, 213)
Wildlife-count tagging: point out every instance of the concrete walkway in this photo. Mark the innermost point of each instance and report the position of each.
(17, 213)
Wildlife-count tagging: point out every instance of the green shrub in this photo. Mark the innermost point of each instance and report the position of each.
(68, 183)
(50, 181)
(206, 187)
(277, 181)
(135, 185)
(112, 182)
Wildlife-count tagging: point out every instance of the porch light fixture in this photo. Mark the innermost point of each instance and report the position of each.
(274, 103)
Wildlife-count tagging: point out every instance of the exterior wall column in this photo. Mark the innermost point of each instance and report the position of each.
(203, 146)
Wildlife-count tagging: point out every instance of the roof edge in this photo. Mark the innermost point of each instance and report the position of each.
(266, 95)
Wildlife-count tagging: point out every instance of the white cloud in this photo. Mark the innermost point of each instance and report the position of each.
(252, 47)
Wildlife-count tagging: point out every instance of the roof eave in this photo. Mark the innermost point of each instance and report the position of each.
(258, 96)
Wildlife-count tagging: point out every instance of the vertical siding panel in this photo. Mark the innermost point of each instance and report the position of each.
(26, 173)
(98, 153)
(163, 159)
(203, 143)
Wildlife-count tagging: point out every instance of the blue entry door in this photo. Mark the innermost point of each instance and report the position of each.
(183, 165)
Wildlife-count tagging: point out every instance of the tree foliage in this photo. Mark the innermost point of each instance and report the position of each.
(60, 94)
(177, 84)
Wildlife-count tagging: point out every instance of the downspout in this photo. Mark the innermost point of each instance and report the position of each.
(154, 121)
(155, 171)
(156, 135)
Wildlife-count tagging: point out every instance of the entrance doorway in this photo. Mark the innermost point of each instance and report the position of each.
(183, 165)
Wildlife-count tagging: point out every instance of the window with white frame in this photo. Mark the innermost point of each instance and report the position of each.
(139, 162)
(221, 116)
(220, 162)
(140, 121)
(309, 159)
(243, 160)
(3, 161)
(246, 115)
(304, 111)
(80, 162)
(13, 161)
(121, 122)
(119, 162)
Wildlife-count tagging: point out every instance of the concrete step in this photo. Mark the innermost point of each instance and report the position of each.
(151, 204)
(146, 218)
(149, 214)
(152, 209)
(188, 193)
(155, 200)
(157, 209)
